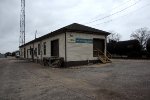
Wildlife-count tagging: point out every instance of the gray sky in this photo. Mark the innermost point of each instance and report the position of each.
(48, 15)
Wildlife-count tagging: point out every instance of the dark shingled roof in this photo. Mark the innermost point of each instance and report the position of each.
(83, 28)
(75, 27)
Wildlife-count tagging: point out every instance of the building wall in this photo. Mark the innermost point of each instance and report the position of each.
(21, 52)
(61, 38)
(80, 51)
(74, 51)
(28, 53)
(37, 56)
(34, 45)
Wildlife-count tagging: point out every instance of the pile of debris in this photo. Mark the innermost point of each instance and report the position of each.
(53, 61)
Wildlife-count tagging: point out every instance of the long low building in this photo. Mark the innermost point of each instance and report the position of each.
(76, 44)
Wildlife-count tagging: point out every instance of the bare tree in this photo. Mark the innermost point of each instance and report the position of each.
(113, 37)
(142, 35)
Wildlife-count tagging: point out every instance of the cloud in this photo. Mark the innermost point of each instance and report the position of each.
(48, 15)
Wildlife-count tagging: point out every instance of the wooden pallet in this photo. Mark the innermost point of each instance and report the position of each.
(53, 61)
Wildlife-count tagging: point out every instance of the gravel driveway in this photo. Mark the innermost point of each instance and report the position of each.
(120, 80)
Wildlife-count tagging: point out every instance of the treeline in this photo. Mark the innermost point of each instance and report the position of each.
(137, 47)
(13, 54)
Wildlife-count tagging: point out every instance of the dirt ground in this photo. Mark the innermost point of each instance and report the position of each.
(120, 80)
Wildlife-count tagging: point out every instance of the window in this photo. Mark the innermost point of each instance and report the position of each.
(39, 49)
(35, 52)
(44, 48)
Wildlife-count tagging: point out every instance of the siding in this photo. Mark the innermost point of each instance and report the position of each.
(74, 51)
(28, 55)
(34, 45)
(80, 51)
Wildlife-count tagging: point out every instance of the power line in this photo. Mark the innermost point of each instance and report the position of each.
(114, 8)
(123, 15)
(122, 4)
(114, 13)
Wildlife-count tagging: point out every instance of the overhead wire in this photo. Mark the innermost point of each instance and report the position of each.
(114, 8)
(114, 13)
(123, 15)
(122, 4)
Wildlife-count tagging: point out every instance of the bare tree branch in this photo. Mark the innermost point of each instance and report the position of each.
(142, 35)
(113, 36)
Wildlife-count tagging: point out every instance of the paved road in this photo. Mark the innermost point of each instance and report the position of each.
(120, 80)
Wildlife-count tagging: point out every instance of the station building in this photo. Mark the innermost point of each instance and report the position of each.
(76, 44)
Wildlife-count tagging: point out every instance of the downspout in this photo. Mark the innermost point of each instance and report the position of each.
(105, 50)
(65, 51)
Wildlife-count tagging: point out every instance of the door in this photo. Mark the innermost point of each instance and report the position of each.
(55, 48)
(98, 44)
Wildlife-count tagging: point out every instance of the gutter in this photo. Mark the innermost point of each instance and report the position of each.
(65, 50)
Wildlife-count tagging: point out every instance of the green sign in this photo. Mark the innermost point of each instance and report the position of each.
(81, 40)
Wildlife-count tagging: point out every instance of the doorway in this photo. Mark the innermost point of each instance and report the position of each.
(55, 48)
(98, 44)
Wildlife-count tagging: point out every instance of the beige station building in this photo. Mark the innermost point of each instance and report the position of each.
(76, 44)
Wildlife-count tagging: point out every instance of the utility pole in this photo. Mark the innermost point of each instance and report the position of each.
(22, 24)
(35, 34)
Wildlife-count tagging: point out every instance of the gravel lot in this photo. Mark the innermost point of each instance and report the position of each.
(120, 80)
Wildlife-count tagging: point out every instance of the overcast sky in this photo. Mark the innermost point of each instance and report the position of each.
(48, 15)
